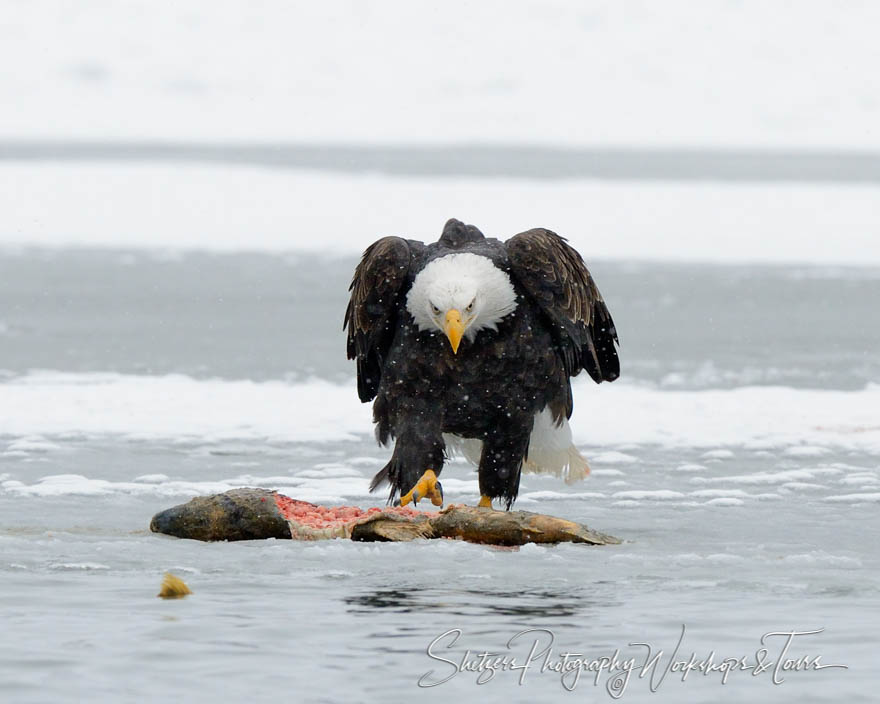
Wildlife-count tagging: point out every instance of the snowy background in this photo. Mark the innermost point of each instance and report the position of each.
(720, 73)
(184, 190)
(745, 77)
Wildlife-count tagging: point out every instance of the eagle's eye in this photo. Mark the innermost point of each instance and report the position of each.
(470, 306)
(435, 309)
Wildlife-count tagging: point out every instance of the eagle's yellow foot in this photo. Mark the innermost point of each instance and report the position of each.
(485, 502)
(427, 487)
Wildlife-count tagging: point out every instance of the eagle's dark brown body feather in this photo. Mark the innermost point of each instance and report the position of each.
(493, 388)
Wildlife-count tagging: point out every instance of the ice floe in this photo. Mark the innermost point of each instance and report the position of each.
(39, 410)
(294, 211)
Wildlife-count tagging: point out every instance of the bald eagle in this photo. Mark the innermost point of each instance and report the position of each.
(469, 344)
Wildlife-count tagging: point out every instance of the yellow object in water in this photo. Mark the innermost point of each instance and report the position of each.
(173, 587)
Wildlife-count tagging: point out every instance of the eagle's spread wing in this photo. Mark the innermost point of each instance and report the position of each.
(556, 278)
(371, 316)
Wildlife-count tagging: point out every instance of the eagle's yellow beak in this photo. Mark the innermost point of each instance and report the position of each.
(454, 329)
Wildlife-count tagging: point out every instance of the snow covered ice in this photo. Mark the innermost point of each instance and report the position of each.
(171, 329)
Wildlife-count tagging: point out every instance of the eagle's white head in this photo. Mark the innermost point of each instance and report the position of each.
(460, 294)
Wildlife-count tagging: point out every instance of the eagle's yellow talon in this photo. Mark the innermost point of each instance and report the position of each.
(426, 487)
(485, 502)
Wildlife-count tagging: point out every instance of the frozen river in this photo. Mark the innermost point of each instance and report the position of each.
(738, 457)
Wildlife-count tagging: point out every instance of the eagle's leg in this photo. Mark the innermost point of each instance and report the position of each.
(504, 449)
(427, 487)
(416, 462)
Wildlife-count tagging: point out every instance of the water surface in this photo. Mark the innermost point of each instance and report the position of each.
(733, 540)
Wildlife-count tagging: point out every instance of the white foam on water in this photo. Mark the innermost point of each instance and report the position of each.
(690, 467)
(366, 461)
(718, 455)
(613, 457)
(328, 470)
(782, 477)
(153, 478)
(854, 498)
(322, 486)
(724, 557)
(606, 473)
(820, 557)
(859, 478)
(725, 502)
(559, 495)
(627, 503)
(325, 490)
(31, 444)
(650, 495)
(803, 486)
(61, 407)
(720, 493)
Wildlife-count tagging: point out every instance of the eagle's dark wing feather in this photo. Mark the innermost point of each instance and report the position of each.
(371, 316)
(556, 278)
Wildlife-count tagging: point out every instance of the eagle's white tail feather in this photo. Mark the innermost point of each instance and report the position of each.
(469, 448)
(569, 464)
(551, 450)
